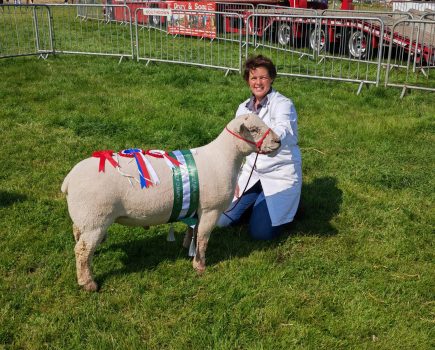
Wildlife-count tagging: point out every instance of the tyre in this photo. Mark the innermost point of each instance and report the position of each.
(284, 34)
(360, 45)
(318, 39)
(290, 34)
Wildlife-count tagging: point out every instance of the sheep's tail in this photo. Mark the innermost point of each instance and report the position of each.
(64, 187)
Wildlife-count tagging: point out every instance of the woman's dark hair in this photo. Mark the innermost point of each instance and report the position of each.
(259, 61)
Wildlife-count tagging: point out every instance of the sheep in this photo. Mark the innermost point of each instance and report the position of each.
(98, 199)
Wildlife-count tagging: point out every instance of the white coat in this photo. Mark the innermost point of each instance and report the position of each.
(280, 175)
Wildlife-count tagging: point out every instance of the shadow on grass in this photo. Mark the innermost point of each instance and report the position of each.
(321, 201)
(143, 254)
(9, 198)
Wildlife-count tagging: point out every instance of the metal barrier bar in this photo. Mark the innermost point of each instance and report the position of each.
(93, 34)
(388, 18)
(228, 23)
(281, 33)
(187, 37)
(25, 30)
(412, 65)
(86, 12)
(322, 47)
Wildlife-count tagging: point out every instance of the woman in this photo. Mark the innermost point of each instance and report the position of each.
(274, 188)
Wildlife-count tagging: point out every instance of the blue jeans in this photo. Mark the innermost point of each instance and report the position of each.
(260, 225)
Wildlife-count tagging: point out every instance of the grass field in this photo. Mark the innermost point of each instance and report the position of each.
(355, 271)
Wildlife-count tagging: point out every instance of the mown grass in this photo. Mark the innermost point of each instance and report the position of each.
(354, 271)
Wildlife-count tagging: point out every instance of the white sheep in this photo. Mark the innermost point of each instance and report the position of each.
(98, 199)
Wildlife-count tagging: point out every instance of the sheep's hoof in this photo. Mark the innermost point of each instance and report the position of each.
(90, 287)
(199, 267)
(200, 272)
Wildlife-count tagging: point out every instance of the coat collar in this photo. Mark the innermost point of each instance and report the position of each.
(264, 104)
(265, 108)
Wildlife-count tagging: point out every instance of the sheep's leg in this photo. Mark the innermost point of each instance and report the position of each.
(76, 233)
(206, 223)
(84, 250)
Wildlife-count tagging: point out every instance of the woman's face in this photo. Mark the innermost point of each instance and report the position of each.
(259, 82)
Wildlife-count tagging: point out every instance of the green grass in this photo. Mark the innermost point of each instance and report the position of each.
(355, 271)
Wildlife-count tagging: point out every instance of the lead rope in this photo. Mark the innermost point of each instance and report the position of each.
(246, 186)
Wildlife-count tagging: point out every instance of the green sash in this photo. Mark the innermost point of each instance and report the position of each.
(186, 188)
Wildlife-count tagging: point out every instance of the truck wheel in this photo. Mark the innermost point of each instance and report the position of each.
(318, 39)
(290, 34)
(284, 34)
(359, 45)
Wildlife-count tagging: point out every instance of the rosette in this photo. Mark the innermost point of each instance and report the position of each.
(105, 155)
(147, 174)
(170, 161)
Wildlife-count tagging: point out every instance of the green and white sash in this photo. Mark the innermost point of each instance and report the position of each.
(186, 188)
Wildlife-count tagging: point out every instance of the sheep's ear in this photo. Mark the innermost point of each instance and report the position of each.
(242, 129)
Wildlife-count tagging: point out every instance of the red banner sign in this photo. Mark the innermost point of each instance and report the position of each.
(192, 23)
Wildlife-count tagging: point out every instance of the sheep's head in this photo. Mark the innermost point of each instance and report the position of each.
(255, 135)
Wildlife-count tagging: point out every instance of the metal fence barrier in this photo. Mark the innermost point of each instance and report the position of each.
(321, 47)
(412, 64)
(230, 23)
(333, 46)
(194, 37)
(91, 34)
(25, 30)
(51, 29)
(283, 32)
(87, 12)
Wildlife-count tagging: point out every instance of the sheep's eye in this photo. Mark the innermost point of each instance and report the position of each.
(254, 129)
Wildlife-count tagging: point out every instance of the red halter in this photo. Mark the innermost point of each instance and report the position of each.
(257, 144)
